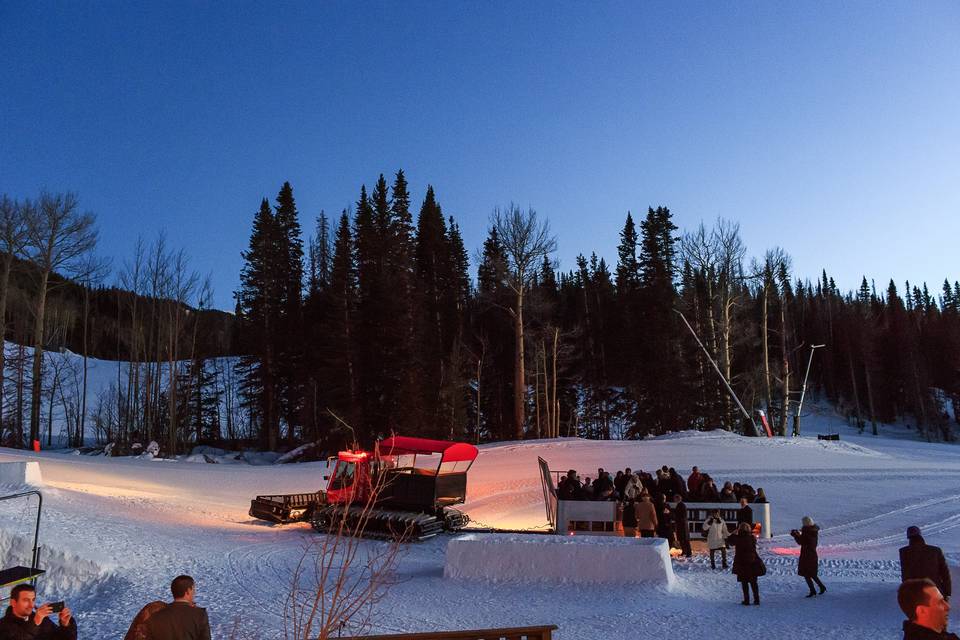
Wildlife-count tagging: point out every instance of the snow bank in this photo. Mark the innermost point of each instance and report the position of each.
(15, 473)
(66, 574)
(578, 559)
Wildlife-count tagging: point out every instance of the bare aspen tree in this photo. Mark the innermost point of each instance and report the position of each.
(133, 279)
(526, 241)
(13, 233)
(204, 297)
(719, 255)
(730, 254)
(700, 249)
(182, 283)
(93, 271)
(59, 236)
(774, 261)
(157, 278)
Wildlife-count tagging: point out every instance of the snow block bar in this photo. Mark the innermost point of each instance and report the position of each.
(572, 558)
(20, 473)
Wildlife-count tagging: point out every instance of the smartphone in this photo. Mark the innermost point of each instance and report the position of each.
(56, 607)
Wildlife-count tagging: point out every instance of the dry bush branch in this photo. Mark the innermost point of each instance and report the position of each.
(341, 577)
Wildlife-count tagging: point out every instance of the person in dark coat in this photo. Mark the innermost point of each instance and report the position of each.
(693, 483)
(926, 609)
(676, 480)
(569, 486)
(708, 491)
(681, 526)
(665, 520)
(921, 560)
(138, 628)
(21, 622)
(746, 562)
(619, 483)
(182, 619)
(603, 486)
(807, 566)
(745, 514)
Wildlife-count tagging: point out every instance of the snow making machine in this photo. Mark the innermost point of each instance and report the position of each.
(406, 487)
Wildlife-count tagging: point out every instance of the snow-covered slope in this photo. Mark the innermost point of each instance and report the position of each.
(115, 531)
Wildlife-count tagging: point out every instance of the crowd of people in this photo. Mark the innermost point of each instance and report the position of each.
(628, 484)
(653, 505)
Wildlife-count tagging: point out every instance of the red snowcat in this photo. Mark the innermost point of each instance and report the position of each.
(417, 482)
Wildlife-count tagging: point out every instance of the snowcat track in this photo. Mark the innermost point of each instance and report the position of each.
(382, 524)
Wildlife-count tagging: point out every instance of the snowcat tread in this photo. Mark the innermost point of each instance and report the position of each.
(382, 524)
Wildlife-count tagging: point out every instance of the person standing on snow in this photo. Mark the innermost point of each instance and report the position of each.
(807, 566)
(927, 611)
(681, 526)
(182, 619)
(693, 482)
(716, 529)
(745, 514)
(921, 560)
(646, 515)
(747, 565)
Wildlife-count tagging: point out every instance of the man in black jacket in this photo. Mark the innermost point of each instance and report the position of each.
(21, 622)
(745, 513)
(921, 560)
(182, 619)
(683, 529)
(926, 609)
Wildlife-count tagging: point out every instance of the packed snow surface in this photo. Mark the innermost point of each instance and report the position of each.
(115, 531)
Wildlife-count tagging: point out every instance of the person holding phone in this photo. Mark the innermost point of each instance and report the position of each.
(22, 622)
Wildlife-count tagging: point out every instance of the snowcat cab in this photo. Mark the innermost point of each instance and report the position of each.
(350, 480)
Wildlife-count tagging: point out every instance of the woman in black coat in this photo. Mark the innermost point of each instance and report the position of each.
(807, 538)
(747, 565)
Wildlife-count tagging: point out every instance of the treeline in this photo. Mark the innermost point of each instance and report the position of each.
(155, 323)
(374, 321)
(374, 325)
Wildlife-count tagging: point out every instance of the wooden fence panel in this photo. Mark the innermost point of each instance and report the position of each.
(515, 633)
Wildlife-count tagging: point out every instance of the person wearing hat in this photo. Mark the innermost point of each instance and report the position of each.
(921, 560)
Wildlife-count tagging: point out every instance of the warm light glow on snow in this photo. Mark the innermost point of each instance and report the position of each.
(786, 551)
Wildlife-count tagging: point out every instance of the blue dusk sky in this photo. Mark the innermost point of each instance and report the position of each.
(831, 129)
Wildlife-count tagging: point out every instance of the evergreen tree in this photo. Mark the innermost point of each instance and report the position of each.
(434, 273)
(337, 373)
(260, 302)
(199, 406)
(659, 385)
(290, 365)
(628, 267)
(367, 339)
(493, 349)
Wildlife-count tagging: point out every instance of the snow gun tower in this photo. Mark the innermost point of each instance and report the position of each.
(413, 484)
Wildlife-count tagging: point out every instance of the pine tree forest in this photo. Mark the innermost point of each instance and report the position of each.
(378, 320)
